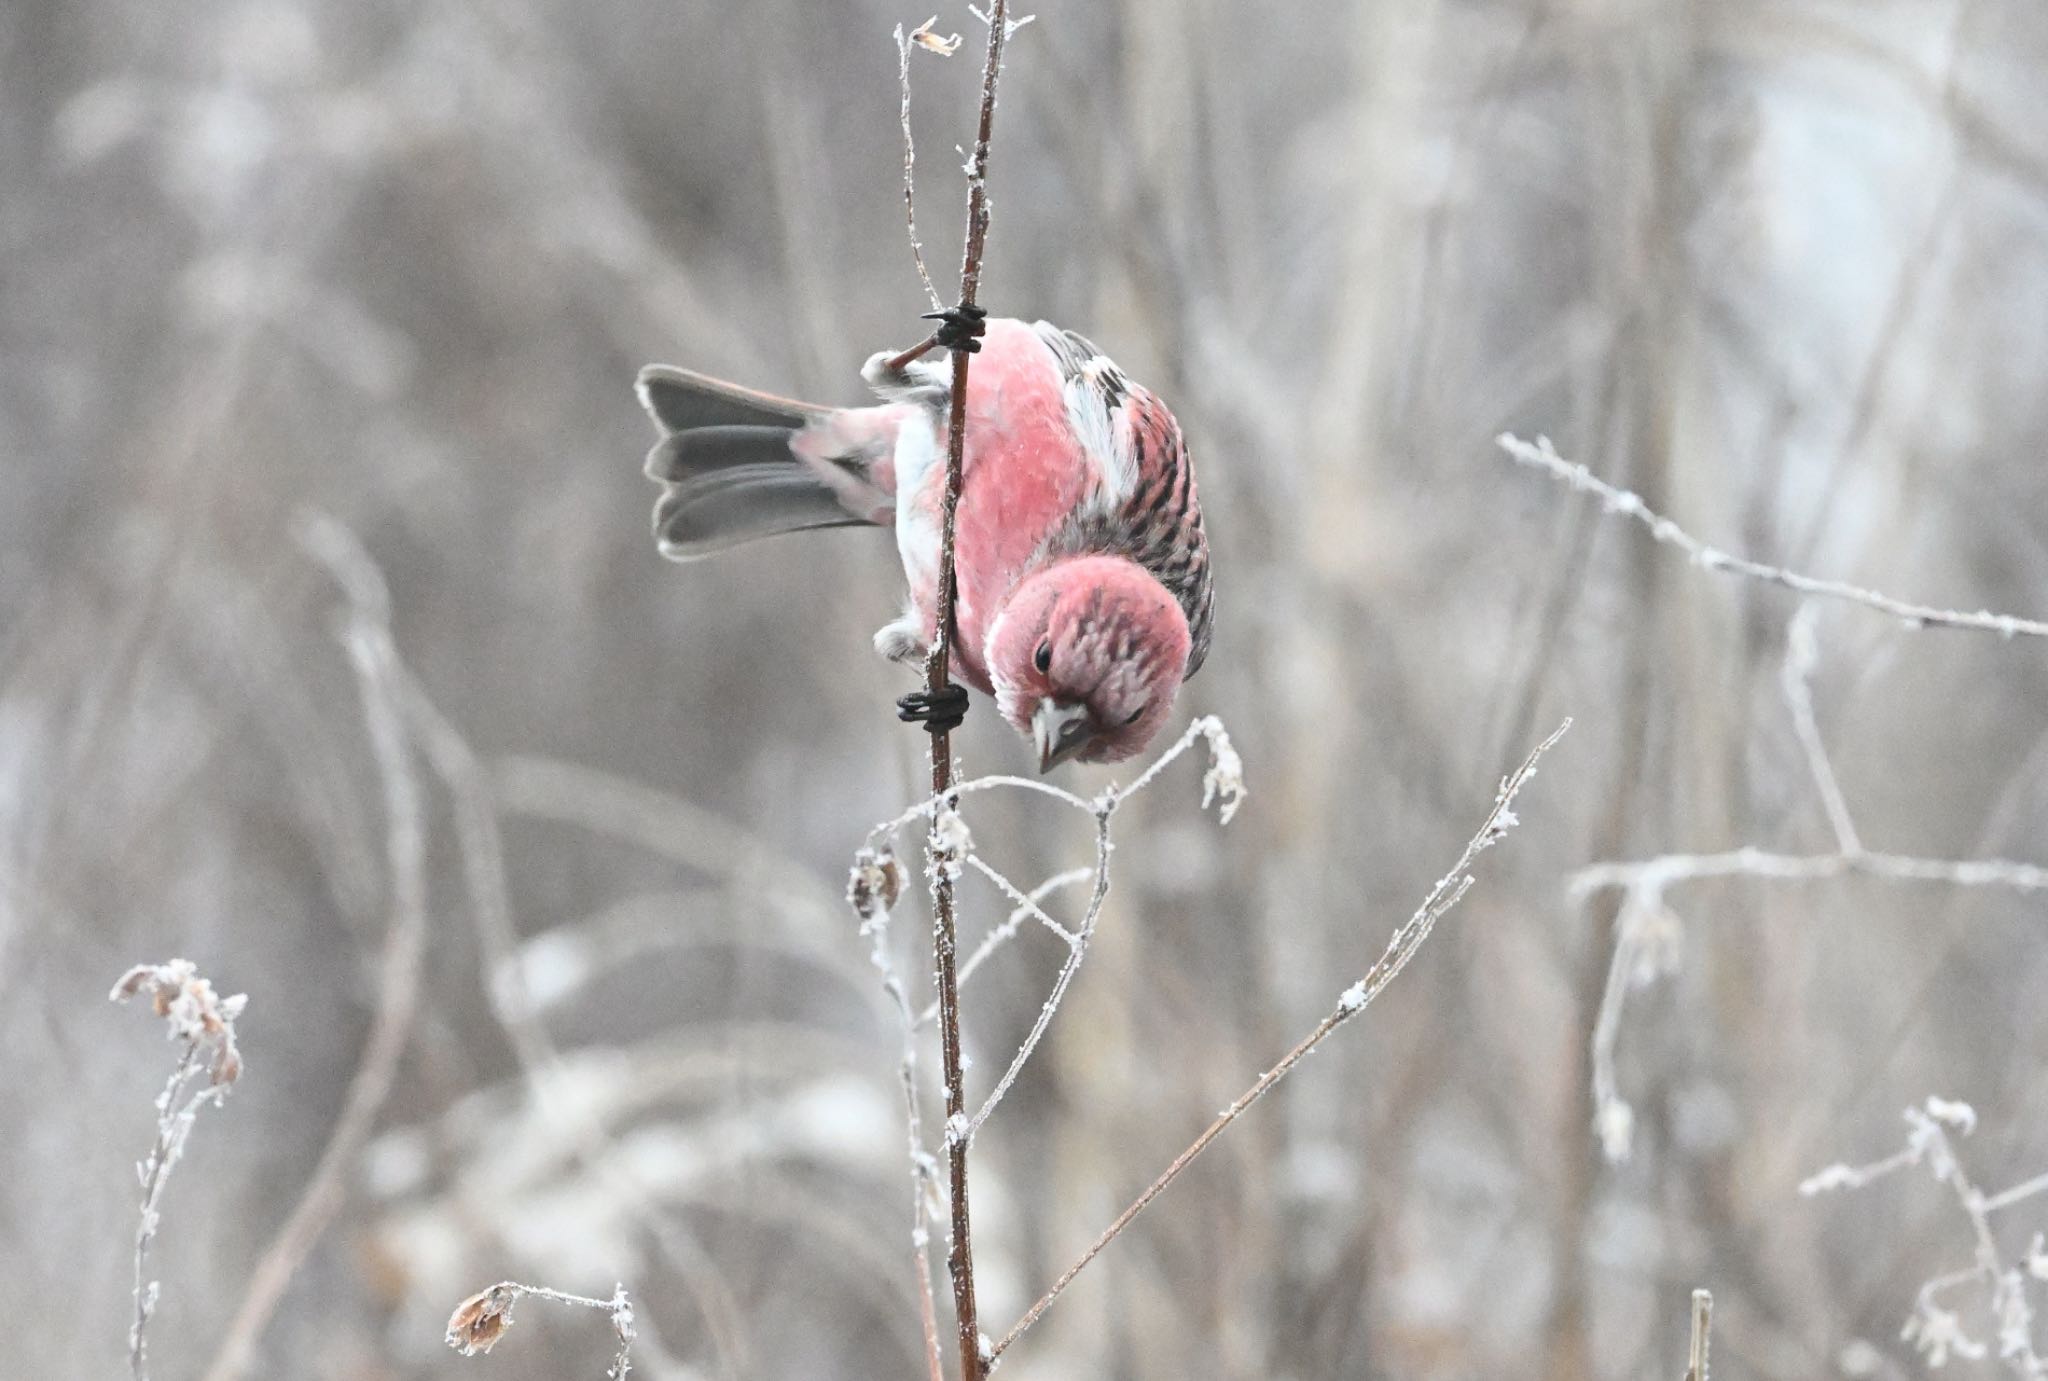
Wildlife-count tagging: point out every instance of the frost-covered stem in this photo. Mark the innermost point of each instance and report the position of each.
(1077, 950)
(1643, 916)
(1027, 903)
(1644, 883)
(2008, 1298)
(1613, 1119)
(367, 637)
(1800, 654)
(1223, 783)
(1027, 907)
(938, 668)
(910, 169)
(1761, 863)
(1933, 1328)
(1406, 940)
(922, 1167)
(1702, 1321)
(2006, 1198)
(927, 808)
(1224, 780)
(175, 1115)
(205, 1023)
(1542, 456)
(1209, 729)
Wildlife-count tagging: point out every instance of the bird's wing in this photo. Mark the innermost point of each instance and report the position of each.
(1098, 400)
(1144, 505)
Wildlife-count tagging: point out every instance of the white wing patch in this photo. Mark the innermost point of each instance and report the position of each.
(1103, 427)
(917, 532)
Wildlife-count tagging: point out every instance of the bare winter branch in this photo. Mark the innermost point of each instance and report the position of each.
(938, 667)
(1542, 456)
(1648, 933)
(1401, 948)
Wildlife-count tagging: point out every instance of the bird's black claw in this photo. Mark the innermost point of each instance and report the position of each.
(940, 712)
(960, 328)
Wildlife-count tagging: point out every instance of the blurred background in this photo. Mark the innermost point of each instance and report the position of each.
(1780, 265)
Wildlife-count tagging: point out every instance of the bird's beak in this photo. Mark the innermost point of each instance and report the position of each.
(1060, 731)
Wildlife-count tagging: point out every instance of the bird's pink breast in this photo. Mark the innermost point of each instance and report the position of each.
(1024, 473)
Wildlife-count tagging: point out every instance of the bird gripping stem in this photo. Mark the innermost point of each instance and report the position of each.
(957, 330)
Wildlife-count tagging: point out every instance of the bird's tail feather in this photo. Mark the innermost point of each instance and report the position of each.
(682, 399)
(724, 508)
(704, 451)
(727, 471)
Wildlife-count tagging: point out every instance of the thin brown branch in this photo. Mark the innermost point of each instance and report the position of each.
(938, 667)
(1407, 939)
(367, 636)
(898, 363)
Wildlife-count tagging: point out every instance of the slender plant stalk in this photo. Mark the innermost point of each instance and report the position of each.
(1702, 1321)
(172, 1128)
(1542, 456)
(367, 637)
(938, 669)
(1450, 889)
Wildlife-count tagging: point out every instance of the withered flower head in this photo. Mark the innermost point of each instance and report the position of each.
(923, 36)
(875, 883)
(196, 1014)
(481, 1320)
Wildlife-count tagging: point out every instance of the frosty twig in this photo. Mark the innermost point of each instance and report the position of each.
(1934, 1328)
(877, 880)
(938, 667)
(1406, 940)
(205, 1024)
(1647, 931)
(1541, 455)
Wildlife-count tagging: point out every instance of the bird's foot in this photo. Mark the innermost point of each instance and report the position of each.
(960, 328)
(902, 640)
(940, 711)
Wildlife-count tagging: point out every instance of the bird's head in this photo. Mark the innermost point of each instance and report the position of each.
(1086, 657)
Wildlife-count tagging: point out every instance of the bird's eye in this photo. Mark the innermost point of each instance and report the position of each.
(1134, 716)
(1042, 659)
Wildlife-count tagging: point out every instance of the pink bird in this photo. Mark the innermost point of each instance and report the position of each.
(1084, 595)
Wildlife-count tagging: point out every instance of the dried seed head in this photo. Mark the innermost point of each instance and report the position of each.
(196, 1014)
(481, 1320)
(875, 883)
(923, 36)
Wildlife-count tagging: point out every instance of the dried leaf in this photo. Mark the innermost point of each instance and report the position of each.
(479, 1321)
(923, 36)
